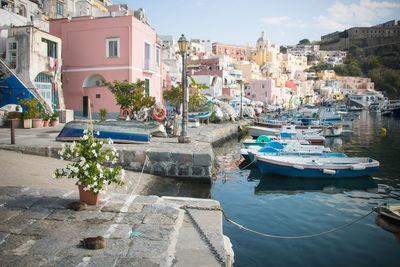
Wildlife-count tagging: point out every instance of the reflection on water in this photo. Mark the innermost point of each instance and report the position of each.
(292, 207)
(286, 185)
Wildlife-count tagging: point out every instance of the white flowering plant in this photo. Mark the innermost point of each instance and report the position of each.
(89, 156)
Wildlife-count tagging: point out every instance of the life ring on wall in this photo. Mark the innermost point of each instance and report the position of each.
(159, 112)
(127, 111)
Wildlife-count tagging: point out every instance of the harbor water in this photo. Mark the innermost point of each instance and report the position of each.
(289, 207)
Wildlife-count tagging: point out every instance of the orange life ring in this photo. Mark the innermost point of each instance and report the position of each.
(126, 111)
(159, 114)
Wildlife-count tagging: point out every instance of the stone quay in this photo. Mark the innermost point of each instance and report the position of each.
(36, 229)
(162, 157)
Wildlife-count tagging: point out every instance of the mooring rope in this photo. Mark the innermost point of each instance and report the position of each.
(278, 236)
(140, 177)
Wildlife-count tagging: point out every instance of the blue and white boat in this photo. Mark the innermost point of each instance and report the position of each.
(316, 166)
(291, 148)
(118, 131)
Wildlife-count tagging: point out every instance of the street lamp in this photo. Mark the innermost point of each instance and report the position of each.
(240, 82)
(184, 138)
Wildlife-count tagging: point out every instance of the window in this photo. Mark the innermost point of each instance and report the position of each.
(112, 47)
(51, 48)
(12, 54)
(97, 95)
(146, 56)
(158, 56)
(147, 86)
(60, 8)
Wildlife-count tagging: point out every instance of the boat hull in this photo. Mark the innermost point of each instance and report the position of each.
(272, 167)
(75, 131)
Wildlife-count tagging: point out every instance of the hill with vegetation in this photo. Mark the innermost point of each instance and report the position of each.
(380, 63)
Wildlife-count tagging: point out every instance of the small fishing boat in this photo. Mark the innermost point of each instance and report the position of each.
(263, 139)
(390, 213)
(293, 147)
(317, 166)
(256, 131)
(118, 131)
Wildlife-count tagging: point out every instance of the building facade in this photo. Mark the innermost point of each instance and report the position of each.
(237, 52)
(103, 49)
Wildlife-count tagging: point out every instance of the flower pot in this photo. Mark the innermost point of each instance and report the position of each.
(53, 122)
(37, 123)
(87, 196)
(46, 123)
(27, 123)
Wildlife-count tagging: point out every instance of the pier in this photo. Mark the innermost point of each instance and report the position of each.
(163, 156)
(36, 228)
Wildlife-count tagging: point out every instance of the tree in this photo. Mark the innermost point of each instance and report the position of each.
(353, 69)
(283, 49)
(131, 95)
(173, 96)
(304, 42)
(196, 99)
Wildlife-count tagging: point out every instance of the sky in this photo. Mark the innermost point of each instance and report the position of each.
(239, 22)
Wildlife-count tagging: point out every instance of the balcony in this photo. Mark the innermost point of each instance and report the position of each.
(151, 68)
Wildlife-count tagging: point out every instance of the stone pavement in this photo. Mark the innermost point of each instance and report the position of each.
(37, 230)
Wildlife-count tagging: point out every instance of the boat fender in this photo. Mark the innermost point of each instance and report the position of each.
(299, 167)
(328, 171)
(126, 112)
(159, 113)
(358, 167)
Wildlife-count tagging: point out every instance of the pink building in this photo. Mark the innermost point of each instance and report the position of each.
(357, 84)
(237, 52)
(103, 49)
(263, 90)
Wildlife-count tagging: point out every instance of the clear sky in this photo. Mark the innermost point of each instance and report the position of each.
(240, 21)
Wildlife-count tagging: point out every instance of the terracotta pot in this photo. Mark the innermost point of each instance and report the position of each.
(87, 196)
(27, 123)
(37, 123)
(53, 122)
(46, 123)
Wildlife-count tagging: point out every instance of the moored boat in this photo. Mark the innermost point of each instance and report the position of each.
(119, 132)
(317, 166)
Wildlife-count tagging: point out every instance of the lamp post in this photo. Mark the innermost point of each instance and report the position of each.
(184, 138)
(240, 82)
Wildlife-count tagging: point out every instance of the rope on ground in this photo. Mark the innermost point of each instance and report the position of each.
(277, 236)
(141, 174)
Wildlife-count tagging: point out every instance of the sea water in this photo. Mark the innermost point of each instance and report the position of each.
(283, 206)
(291, 207)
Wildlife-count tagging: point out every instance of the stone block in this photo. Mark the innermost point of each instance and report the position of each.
(135, 262)
(203, 159)
(198, 171)
(159, 156)
(128, 156)
(6, 214)
(158, 169)
(184, 170)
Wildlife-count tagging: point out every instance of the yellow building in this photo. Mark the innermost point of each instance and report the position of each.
(267, 56)
(327, 75)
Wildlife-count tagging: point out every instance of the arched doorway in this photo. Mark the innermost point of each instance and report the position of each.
(44, 85)
(94, 80)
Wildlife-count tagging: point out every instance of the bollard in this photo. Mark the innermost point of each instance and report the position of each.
(13, 125)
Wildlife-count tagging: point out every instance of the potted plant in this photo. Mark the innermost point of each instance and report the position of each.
(27, 120)
(31, 109)
(46, 118)
(89, 167)
(37, 122)
(54, 119)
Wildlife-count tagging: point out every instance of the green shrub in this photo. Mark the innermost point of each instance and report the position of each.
(103, 114)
